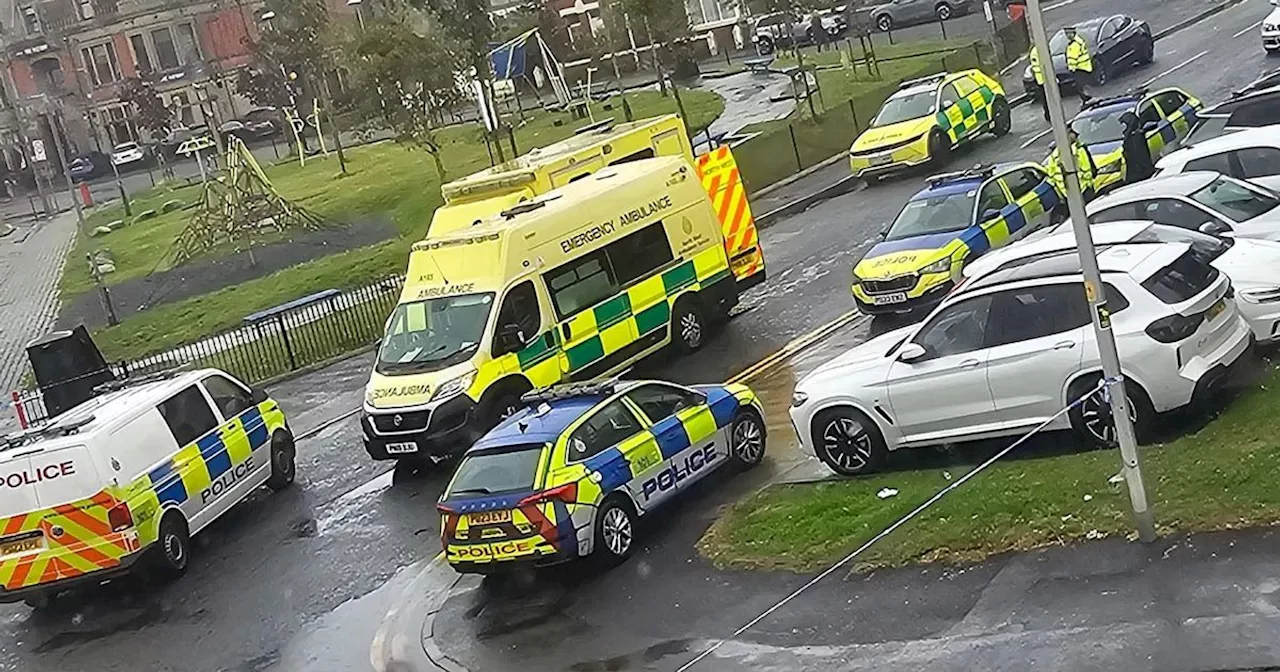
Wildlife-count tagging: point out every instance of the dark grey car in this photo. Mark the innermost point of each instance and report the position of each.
(900, 13)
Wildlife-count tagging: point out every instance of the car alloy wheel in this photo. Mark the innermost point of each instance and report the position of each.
(617, 531)
(884, 23)
(1099, 420)
(748, 440)
(847, 443)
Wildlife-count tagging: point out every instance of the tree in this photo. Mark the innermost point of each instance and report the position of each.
(662, 21)
(264, 86)
(149, 110)
(405, 78)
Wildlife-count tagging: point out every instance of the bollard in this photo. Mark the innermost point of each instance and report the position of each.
(86, 198)
(943, 25)
(22, 412)
(795, 147)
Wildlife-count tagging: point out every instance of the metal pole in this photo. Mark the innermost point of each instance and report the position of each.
(1094, 289)
(124, 196)
(66, 170)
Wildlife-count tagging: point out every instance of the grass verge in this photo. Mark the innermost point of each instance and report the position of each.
(1220, 477)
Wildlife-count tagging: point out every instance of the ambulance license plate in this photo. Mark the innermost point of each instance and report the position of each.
(14, 546)
(402, 448)
(889, 299)
(1216, 309)
(489, 517)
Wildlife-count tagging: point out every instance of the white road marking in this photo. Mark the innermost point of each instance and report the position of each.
(1064, 3)
(1035, 137)
(1242, 32)
(1175, 68)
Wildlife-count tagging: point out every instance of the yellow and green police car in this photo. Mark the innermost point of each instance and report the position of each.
(569, 475)
(1166, 116)
(955, 218)
(927, 117)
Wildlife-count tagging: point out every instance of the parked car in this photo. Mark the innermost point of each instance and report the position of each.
(1249, 263)
(88, 166)
(1251, 154)
(1250, 107)
(180, 134)
(902, 13)
(774, 31)
(128, 155)
(1115, 43)
(1006, 353)
(1201, 201)
(1271, 29)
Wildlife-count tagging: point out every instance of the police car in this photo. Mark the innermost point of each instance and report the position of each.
(127, 478)
(568, 475)
(1166, 116)
(926, 118)
(955, 218)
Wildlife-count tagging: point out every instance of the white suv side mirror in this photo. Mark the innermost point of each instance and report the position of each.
(910, 353)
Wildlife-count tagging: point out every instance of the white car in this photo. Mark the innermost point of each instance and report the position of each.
(1010, 350)
(1250, 264)
(1271, 29)
(1202, 201)
(1251, 154)
(127, 154)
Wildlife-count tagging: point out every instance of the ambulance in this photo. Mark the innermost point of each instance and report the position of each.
(124, 480)
(574, 284)
(488, 192)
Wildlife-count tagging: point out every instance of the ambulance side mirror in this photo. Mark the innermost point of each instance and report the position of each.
(257, 395)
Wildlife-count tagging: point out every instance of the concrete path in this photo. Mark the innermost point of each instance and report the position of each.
(31, 261)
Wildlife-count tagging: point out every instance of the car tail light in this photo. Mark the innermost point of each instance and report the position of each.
(567, 493)
(1174, 328)
(444, 508)
(120, 518)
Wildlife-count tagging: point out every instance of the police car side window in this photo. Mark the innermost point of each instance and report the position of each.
(610, 425)
(1022, 182)
(1170, 101)
(581, 283)
(661, 401)
(1148, 113)
(991, 198)
(1259, 161)
(188, 415)
(231, 399)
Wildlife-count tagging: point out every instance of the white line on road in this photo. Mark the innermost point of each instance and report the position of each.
(1035, 137)
(1175, 68)
(1245, 30)
(1064, 3)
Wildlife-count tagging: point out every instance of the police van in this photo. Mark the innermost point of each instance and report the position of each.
(575, 284)
(125, 479)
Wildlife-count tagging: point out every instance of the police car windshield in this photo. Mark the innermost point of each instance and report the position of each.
(905, 108)
(433, 334)
(1100, 127)
(511, 469)
(1235, 201)
(934, 214)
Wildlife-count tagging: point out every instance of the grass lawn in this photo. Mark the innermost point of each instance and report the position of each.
(1223, 476)
(386, 178)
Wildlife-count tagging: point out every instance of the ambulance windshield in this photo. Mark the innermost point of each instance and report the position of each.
(433, 334)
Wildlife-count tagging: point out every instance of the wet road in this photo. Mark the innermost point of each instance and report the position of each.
(299, 581)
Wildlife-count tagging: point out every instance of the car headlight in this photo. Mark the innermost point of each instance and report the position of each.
(942, 265)
(798, 398)
(1260, 294)
(454, 387)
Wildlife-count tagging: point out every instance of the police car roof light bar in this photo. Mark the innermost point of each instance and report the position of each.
(980, 170)
(908, 83)
(570, 390)
(1131, 96)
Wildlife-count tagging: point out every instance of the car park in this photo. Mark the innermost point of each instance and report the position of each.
(903, 13)
(955, 218)
(570, 474)
(1203, 201)
(1250, 264)
(1007, 352)
(1115, 43)
(926, 118)
(1250, 154)
(1166, 116)
(128, 155)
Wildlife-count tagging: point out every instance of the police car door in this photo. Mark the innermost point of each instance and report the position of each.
(1034, 199)
(1152, 122)
(688, 441)
(186, 479)
(1178, 117)
(245, 438)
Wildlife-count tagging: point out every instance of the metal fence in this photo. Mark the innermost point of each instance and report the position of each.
(270, 343)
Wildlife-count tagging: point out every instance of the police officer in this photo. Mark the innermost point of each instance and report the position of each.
(1079, 61)
(1137, 153)
(1084, 167)
(1038, 73)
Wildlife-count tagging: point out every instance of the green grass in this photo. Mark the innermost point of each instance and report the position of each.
(1222, 477)
(385, 178)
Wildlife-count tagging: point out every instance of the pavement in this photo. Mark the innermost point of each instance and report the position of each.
(336, 573)
(31, 261)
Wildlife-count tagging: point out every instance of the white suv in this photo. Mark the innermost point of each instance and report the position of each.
(1200, 200)
(1011, 349)
(1251, 154)
(1271, 29)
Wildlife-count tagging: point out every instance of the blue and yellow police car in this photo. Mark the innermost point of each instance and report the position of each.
(956, 217)
(568, 475)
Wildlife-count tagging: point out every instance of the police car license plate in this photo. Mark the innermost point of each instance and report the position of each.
(402, 448)
(1216, 309)
(14, 546)
(887, 299)
(489, 517)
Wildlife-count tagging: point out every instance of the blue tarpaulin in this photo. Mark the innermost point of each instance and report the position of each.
(508, 60)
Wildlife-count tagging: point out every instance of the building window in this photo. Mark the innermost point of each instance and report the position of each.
(101, 64)
(166, 54)
(188, 46)
(141, 57)
(31, 20)
(86, 9)
(118, 125)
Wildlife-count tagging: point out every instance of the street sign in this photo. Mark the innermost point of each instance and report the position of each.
(37, 150)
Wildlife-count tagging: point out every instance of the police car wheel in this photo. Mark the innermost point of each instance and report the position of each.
(848, 442)
(747, 439)
(688, 325)
(615, 530)
(1002, 121)
(175, 545)
(283, 461)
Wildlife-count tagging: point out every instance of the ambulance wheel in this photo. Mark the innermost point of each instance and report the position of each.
(283, 461)
(688, 325)
(615, 530)
(939, 147)
(1002, 121)
(848, 442)
(747, 439)
(174, 546)
(500, 402)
